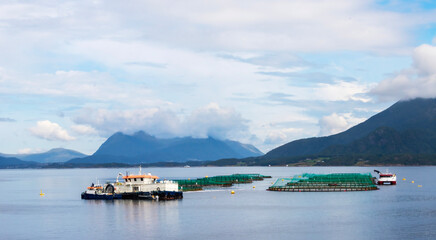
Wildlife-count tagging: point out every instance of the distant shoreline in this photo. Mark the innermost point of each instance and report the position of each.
(199, 166)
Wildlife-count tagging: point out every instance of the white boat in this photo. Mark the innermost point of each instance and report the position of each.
(386, 178)
(139, 186)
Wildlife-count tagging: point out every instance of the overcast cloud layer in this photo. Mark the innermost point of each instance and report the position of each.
(263, 72)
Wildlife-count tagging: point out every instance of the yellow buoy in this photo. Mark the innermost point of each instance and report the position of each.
(283, 179)
(404, 179)
(419, 185)
(41, 194)
(207, 176)
(254, 186)
(413, 181)
(232, 192)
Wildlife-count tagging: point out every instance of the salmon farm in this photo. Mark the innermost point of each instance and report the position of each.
(217, 181)
(335, 182)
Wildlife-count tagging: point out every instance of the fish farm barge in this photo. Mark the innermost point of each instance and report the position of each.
(336, 182)
(217, 181)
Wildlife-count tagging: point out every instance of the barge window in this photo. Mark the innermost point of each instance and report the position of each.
(135, 179)
(142, 179)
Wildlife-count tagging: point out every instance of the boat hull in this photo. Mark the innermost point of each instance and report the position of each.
(155, 195)
(387, 182)
(100, 196)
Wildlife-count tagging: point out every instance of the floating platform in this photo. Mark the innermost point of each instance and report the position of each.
(335, 182)
(217, 181)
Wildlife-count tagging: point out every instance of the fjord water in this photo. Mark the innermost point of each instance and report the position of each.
(404, 211)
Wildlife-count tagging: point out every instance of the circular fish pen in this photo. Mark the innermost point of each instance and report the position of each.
(335, 182)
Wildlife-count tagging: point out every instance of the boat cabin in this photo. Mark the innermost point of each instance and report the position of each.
(140, 179)
(386, 175)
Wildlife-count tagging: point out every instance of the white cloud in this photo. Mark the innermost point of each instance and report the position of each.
(50, 131)
(29, 151)
(94, 85)
(217, 25)
(336, 123)
(21, 11)
(217, 122)
(417, 81)
(277, 137)
(424, 58)
(342, 91)
(84, 129)
(153, 120)
(282, 25)
(212, 120)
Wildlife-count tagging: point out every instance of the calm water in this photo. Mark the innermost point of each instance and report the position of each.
(405, 211)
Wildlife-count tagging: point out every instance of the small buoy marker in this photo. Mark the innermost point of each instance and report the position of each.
(413, 181)
(254, 186)
(232, 192)
(419, 185)
(207, 176)
(404, 179)
(41, 193)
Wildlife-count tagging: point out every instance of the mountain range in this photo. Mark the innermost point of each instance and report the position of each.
(405, 134)
(7, 162)
(144, 148)
(51, 156)
(405, 128)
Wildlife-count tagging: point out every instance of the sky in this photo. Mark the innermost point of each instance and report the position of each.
(264, 72)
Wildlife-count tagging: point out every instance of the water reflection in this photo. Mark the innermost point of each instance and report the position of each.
(139, 216)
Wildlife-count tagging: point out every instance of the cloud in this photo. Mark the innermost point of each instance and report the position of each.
(209, 121)
(50, 131)
(29, 151)
(419, 80)
(281, 136)
(84, 129)
(5, 119)
(342, 91)
(153, 120)
(283, 25)
(299, 25)
(94, 85)
(336, 123)
(215, 121)
(283, 60)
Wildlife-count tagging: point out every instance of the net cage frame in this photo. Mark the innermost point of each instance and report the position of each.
(221, 180)
(327, 182)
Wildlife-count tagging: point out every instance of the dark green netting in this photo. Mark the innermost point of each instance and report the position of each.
(327, 182)
(222, 181)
